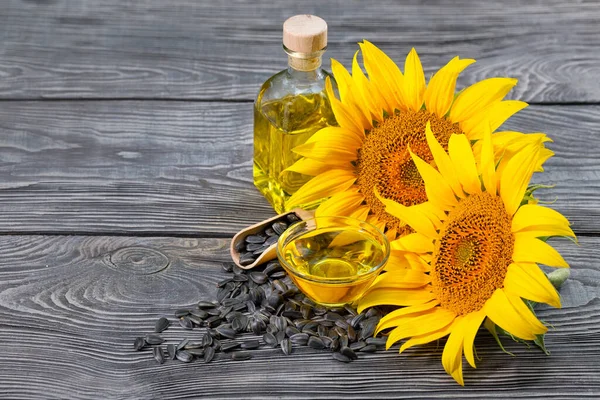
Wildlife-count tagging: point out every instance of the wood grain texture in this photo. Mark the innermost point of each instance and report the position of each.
(68, 318)
(185, 168)
(225, 50)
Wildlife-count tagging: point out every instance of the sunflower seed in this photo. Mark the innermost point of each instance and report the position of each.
(335, 344)
(278, 275)
(319, 310)
(279, 227)
(162, 324)
(182, 344)
(352, 333)
(270, 339)
(228, 266)
(342, 324)
(153, 339)
(240, 278)
(171, 350)
(213, 321)
(206, 304)
(275, 300)
(239, 323)
(292, 218)
(186, 323)
(139, 343)
(253, 247)
(226, 346)
(182, 312)
(270, 232)
(300, 339)
(291, 330)
(271, 240)
(184, 356)
(250, 344)
(357, 320)
(343, 341)
(370, 348)
(321, 330)
(209, 354)
(159, 355)
(258, 277)
(279, 285)
(348, 352)
(316, 343)
(226, 332)
(241, 355)
(357, 345)
(341, 357)
(258, 326)
(196, 352)
(272, 267)
(216, 344)
(197, 321)
(199, 313)
(255, 239)
(368, 328)
(381, 341)
(247, 258)
(193, 345)
(286, 347)
(327, 341)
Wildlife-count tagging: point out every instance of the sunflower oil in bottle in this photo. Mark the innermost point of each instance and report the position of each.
(290, 107)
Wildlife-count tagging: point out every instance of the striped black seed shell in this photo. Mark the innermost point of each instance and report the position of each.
(226, 346)
(184, 356)
(291, 330)
(341, 357)
(327, 341)
(209, 354)
(357, 345)
(258, 277)
(159, 355)
(370, 348)
(182, 344)
(250, 344)
(271, 240)
(270, 339)
(161, 324)
(278, 274)
(241, 355)
(153, 339)
(193, 345)
(181, 312)
(272, 267)
(316, 343)
(139, 343)
(255, 239)
(228, 266)
(204, 304)
(348, 352)
(286, 346)
(196, 352)
(171, 350)
(226, 332)
(186, 323)
(292, 217)
(279, 227)
(247, 258)
(240, 278)
(352, 333)
(254, 246)
(380, 341)
(197, 321)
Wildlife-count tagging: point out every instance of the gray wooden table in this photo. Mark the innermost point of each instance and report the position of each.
(125, 168)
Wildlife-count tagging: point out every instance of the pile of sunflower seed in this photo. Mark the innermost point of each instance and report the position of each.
(262, 308)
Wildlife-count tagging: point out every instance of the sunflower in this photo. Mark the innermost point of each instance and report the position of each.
(473, 254)
(379, 117)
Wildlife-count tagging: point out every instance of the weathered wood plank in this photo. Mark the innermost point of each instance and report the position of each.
(185, 167)
(68, 318)
(225, 50)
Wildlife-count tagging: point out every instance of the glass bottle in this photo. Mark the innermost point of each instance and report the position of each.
(290, 107)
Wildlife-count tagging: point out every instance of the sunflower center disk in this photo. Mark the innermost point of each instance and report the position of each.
(384, 162)
(473, 254)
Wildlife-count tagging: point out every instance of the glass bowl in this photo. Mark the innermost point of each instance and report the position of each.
(333, 260)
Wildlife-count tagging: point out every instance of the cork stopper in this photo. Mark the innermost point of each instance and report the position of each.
(305, 33)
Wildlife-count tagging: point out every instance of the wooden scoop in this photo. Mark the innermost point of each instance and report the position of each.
(270, 252)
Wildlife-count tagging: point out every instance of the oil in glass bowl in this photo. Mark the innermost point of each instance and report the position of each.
(333, 260)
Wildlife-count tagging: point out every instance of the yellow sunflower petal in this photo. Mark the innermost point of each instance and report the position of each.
(438, 191)
(338, 135)
(395, 297)
(501, 311)
(366, 91)
(343, 115)
(471, 326)
(391, 234)
(488, 164)
(516, 176)
(493, 116)
(443, 162)
(391, 319)
(526, 313)
(452, 355)
(530, 216)
(332, 154)
(307, 166)
(402, 279)
(360, 213)
(528, 281)
(478, 96)
(440, 90)
(413, 242)
(426, 338)
(414, 81)
(396, 261)
(375, 64)
(421, 324)
(411, 216)
(529, 249)
(463, 160)
(416, 261)
(323, 185)
(342, 204)
(348, 93)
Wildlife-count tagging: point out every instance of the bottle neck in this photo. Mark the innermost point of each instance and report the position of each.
(304, 61)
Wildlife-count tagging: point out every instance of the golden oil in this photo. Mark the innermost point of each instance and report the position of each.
(334, 265)
(279, 126)
(290, 107)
